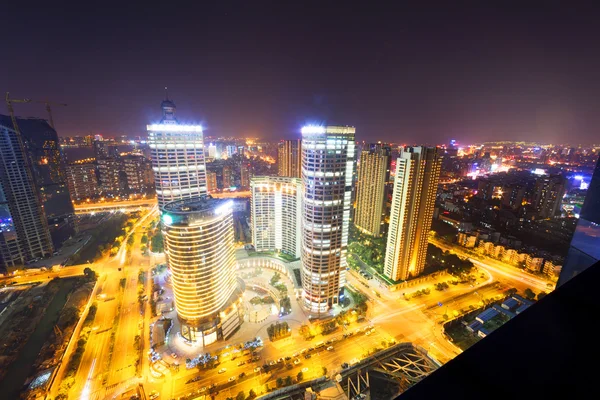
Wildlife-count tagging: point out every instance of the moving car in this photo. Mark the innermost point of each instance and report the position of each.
(222, 370)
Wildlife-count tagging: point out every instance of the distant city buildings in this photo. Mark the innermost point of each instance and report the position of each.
(548, 195)
(413, 203)
(138, 173)
(24, 233)
(328, 160)
(371, 189)
(211, 181)
(177, 153)
(111, 176)
(276, 214)
(289, 158)
(244, 175)
(199, 245)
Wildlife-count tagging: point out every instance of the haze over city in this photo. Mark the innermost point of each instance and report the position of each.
(405, 74)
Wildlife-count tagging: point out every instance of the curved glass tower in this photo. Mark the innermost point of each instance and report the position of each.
(327, 175)
(199, 245)
(177, 153)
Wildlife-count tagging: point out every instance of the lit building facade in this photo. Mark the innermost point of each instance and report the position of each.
(371, 189)
(289, 158)
(413, 203)
(177, 153)
(199, 246)
(82, 181)
(245, 175)
(276, 213)
(328, 163)
(112, 178)
(24, 233)
(548, 195)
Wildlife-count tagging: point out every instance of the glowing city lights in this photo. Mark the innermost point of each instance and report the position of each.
(174, 128)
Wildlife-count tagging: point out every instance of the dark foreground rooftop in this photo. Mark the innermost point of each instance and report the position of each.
(551, 350)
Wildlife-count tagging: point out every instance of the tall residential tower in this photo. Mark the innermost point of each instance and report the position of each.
(289, 158)
(328, 160)
(413, 202)
(24, 233)
(177, 153)
(371, 189)
(276, 214)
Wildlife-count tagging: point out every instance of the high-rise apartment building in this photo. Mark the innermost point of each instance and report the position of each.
(211, 181)
(48, 172)
(245, 175)
(24, 233)
(82, 181)
(371, 189)
(289, 158)
(177, 153)
(413, 202)
(548, 195)
(135, 167)
(276, 214)
(328, 163)
(227, 177)
(200, 250)
(111, 176)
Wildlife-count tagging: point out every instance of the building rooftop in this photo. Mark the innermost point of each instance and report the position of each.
(195, 205)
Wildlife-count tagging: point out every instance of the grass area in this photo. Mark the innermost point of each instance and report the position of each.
(462, 337)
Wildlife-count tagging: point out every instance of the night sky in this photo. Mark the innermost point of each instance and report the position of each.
(265, 69)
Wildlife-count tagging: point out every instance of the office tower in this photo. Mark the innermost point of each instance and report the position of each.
(371, 189)
(82, 181)
(548, 194)
(289, 158)
(245, 175)
(177, 153)
(327, 175)
(276, 213)
(47, 165)
(111, 177)
(200, 250)
(227, 178)
(134, 166)
(211, 181)
(413, 202)
(585, 244)
(24, 233)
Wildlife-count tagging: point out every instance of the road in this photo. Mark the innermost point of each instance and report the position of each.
(495, 267)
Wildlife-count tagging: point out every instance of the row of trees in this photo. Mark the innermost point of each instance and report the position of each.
(278, 330)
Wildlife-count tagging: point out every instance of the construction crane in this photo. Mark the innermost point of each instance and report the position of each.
(11, 111)
(49, 110)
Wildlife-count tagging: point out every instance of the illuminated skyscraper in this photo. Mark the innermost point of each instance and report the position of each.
(327, 175)
(177, 153)
(289, 158)
(371, 189)
(276, 214)
(200, 249)
(82, 181)
(413, 202)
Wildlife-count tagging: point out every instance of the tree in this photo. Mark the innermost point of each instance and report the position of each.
(511, 291)
(252, 394)
(288, 380)
(240, 396)
(90, 274)
(541, 295)
(279, 382)
(529, 294)
(324, 371)
(300, 376)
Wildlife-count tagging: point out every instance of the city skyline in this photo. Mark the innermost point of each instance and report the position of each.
(443, 75)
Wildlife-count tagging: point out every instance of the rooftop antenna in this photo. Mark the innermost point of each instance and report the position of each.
(167, 92)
